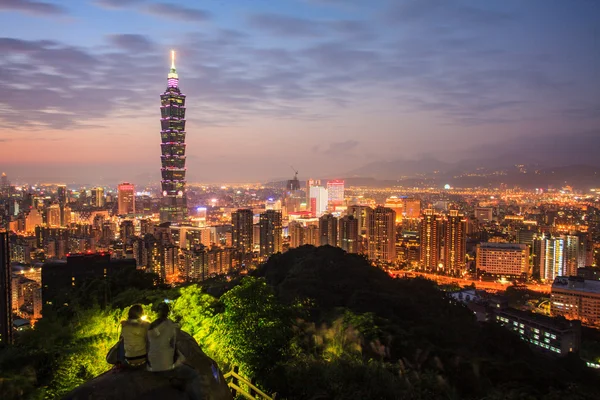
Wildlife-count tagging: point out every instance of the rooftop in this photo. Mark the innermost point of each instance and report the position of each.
(577, 284)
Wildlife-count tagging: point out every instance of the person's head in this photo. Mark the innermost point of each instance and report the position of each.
(162, 311)
(135, 312)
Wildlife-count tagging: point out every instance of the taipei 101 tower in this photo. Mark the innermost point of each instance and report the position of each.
(173, 206)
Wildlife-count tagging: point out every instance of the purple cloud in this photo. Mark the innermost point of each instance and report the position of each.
(178, 12)
(32, 7)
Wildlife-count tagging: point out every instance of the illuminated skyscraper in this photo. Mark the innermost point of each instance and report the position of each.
(430, 240)
(552, 258)
(335, 193)
(126, 198)
(6, 332)
(328, 229)
(172, 110)
(4, 186)
(270, 232)
(382, 235)
(455, 243)
(242, 221)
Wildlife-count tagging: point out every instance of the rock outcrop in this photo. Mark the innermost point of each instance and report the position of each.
(139, 384)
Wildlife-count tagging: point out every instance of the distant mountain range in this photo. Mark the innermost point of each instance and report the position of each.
(432, 172)
(429, 172)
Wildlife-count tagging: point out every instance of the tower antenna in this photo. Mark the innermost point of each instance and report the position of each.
(172, 59)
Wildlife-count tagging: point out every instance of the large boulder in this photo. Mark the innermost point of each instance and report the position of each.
(139, 384)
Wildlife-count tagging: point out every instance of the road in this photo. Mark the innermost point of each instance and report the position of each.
(484, 285)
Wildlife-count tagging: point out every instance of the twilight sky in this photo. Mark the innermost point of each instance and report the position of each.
(325, 85)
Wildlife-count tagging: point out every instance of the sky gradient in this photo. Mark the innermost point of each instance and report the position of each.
(324, 85)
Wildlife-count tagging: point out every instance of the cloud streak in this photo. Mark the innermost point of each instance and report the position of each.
(32, 7)
(177, 12)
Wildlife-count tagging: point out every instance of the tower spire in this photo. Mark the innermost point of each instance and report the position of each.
(172, 59)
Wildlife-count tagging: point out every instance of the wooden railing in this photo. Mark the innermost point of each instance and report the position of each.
(238, 382)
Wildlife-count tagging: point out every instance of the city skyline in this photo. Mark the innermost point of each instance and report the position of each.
(327, 86)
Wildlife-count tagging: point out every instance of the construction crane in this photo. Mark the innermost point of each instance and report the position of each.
(295, 171)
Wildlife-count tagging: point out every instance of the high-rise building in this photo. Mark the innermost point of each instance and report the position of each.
(296, 232)
(552, 258)
(362, 215)
(572, 259)
(242, 221)
(328, 229)
(98, 197)
(127, 230)
(33, 219)
(63, 199)
(172, 109)
(430, 239)
(455, 243)
(4, 185)
(6, 332)
(381, 235)
(412, 208)
(503, 259)
(318, 200)
(335, 193)
(270, 232)
(574, 297)
(53, 216)
(309, 184)
(396, 204)
(348, 236)
(126, 200)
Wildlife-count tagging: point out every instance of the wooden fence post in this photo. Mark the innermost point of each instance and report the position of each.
(234, 381)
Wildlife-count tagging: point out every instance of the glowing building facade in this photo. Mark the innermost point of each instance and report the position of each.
(126, 198)
(172, 110)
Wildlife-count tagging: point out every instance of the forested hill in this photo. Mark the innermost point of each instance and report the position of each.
(312, 323)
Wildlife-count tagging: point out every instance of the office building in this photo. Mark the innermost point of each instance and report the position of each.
(348, 234)
(381, 235)
(396, 204)
(328, 230)
(455, 243)
(309, 184)
(53, 216)
(572, 258)
(270, 233)
(574, 297)
(6, 332)
(412, 208)
(63, 200)
(173, 206)
(126, 198)
(362, 215)
(296, 233)
(335, 193)
(510, 260)
(484, 214)
(318, 200)
(97, 197)
(127, 230)
(430, 230)
(552, 336)
(552, 258)
(242, 237)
